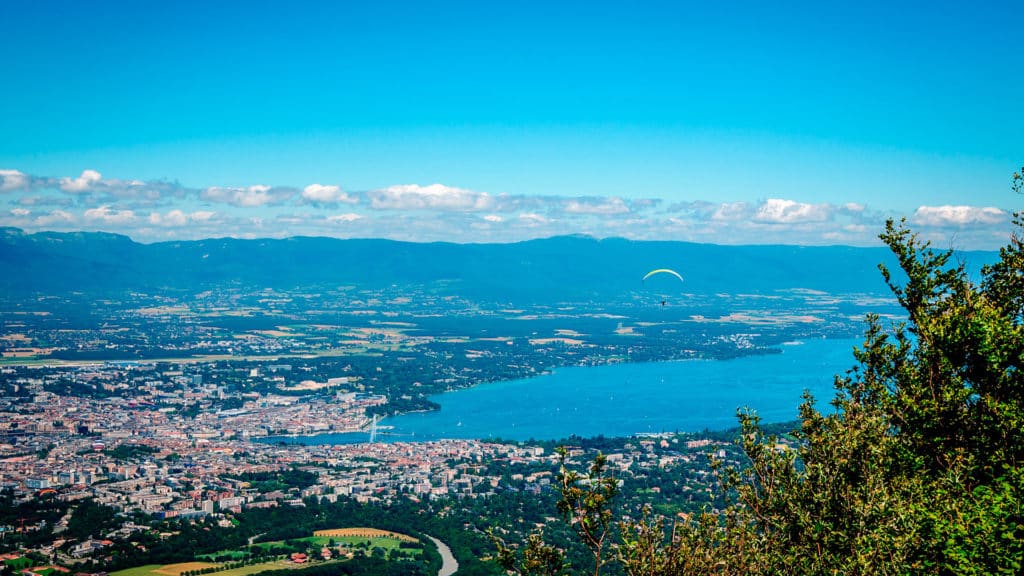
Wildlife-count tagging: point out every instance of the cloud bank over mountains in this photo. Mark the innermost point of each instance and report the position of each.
(158, 210)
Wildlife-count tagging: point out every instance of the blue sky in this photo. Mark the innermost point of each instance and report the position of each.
(738, 122)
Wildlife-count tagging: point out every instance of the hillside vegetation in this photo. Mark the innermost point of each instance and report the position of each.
(554, 269)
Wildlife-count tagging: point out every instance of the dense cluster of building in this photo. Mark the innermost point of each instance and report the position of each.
(140, 451)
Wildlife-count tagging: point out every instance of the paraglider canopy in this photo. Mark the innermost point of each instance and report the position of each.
(662, 271)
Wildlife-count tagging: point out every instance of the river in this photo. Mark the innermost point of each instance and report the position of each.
(449, 565)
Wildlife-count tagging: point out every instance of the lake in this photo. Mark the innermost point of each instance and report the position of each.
(626, 399)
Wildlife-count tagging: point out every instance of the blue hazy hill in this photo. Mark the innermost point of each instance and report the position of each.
(551, 269)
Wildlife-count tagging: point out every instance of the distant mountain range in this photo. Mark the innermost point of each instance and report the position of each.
(552, 269)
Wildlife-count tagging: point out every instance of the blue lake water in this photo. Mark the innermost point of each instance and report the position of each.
(626, 399)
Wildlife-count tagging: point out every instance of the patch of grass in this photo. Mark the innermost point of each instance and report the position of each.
(181, 567)
(388, 544)
(364, 532)
(387, 541)
(19, 563)
(352, 542)
(232, 554)
(147, 570)
(256, 568)
(177, 569)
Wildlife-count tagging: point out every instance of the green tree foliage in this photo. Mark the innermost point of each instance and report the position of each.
(915, 471)
(585, 504)
(277, 480)
(536, 558)
(90, 519)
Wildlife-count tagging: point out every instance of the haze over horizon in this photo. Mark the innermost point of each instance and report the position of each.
(739, 124)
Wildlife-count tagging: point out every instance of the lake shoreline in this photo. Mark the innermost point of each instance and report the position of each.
(623, 399)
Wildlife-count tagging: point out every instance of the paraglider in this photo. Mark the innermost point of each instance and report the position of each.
(662, 271)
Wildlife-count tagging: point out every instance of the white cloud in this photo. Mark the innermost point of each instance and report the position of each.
(778, 211)
(958, 216)
(432, 197)
(343, 218)
(598, 206)
(83, 183)
(326, 194)
(178, 217)
(533, 219)
(257, 195)
(11, 180)
(644, 203)
(160, 210)
(174, 217)
(107, 216)
(57, 217)
(148, 192)
(731, 211)
(91, 184)
(771, 221)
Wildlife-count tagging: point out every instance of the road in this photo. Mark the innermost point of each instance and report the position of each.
(448, 564)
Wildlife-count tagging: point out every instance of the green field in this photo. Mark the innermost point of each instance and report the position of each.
(177, 569)
(356, 544)
(19, 563)
(387, 544)
(233, 554)
(147, 570)
(255, 568)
